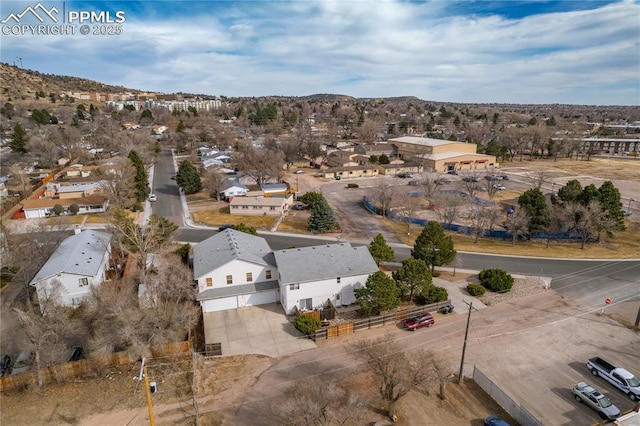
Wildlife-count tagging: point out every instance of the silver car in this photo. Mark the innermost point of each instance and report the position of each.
(594, 399)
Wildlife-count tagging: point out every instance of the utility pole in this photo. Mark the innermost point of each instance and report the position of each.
(149, 404)
(193, 385)
(464, 346)
(143, 374)
(637, 323)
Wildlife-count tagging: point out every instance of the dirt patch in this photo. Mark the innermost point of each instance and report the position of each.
(522, 287)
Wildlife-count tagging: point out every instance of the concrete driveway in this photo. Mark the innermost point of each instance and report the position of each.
(262, 329)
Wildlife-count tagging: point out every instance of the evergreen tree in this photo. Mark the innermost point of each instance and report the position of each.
(380, 250)
(570, 192)
(146, 113)
(141, 180)
(312, 198)
(181, 127)
(609, 197)
(412, 278)
(188, 178)
(19, 139)
(433, 246)
(379, 294)
(321, 218)
(384, 159)
(589, 193)
(535, 204)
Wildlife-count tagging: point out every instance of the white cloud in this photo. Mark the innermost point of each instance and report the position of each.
(362, 48)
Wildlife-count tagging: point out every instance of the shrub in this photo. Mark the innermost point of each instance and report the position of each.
(58, 209)
(475, 289)
(433, 294)
(74, 208)
(353, 185)
(137, 207)
(306, 324)
(497, 280)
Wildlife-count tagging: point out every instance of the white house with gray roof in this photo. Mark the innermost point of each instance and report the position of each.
(234, 269)
(81, 261)
(309, 276)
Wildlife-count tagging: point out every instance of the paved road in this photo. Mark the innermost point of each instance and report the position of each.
(166, 189)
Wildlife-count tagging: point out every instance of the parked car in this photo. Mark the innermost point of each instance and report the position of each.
(595, 400)
(153, 197)
(442, 181)
(617, 376)
(499, 187)
(5, 365)
(492, 177)
(447, 309)
(23, 362)
(504, 177)
(424, 320)
(413, 183)
(299, 206)
(223, 227)
(405, 175)
(494, 420)
(452, 172)
(470, 179)
(299, 171)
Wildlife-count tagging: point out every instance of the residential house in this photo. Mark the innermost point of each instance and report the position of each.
(234, 269)
(43, 207)
(233, 188)
(80, 262)
(275, 205)
(309, 276)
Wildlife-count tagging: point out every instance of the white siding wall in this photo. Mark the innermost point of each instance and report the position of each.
(238, 269)
(320, 291)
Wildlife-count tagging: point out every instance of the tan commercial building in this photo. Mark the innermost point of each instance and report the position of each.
(441, 155)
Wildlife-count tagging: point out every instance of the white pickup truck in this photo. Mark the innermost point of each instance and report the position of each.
(618, 377)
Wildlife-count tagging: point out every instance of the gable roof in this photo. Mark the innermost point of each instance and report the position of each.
(416, 140)
(323, 262)
(229, 245)
(80, 254)
(233, 183)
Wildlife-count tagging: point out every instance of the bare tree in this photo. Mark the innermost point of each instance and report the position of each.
(516, 224)
(407, 206)
(450, 207)
(118, 183)
(213, 181)
(261, 164)
(429, 183)
(397, 372)
(586, 220)
(290, 148)
(470, 181)
(322, 404)
(384, 196)
(482, 217)
(539, 177)
(490, 187)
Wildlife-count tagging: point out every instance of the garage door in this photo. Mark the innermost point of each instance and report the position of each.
(220, 304)
(259, 298)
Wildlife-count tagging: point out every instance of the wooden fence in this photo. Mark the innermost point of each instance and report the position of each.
(85, 367)
(378, 321)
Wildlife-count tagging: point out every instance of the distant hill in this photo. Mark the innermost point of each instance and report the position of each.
(18, 82)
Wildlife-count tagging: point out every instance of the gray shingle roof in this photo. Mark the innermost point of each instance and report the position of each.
(229, 245)
(235, 290)
(80, 254)
(323, 262)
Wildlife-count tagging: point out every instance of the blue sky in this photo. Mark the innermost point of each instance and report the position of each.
(577, 52)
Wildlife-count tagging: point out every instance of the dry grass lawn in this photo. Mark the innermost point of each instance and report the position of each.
(605, 168)
(221, 216)
(294, 225)
(625, 245)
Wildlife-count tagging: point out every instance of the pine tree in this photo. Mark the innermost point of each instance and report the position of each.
(380, 293)
(434, 246)
(380, 250)
(188, 178)
(413, 278)
(609, 197)
(535, 204)
(19, 139)
(141, 180)
(321, 218)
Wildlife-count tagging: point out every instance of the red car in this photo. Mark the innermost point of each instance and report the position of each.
(424, 320)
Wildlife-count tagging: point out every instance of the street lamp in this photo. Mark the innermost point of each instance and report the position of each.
(629, 205)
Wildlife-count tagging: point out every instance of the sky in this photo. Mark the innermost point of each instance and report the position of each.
(540, 52)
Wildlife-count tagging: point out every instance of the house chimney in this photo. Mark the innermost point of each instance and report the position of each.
(76, 230)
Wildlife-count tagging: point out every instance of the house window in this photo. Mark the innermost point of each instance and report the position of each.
(272, 208)
(249, 277)
(83, 282)
(306, 304)
(209, 282)
(294, 286)
(268, 274)
(338, 280)
(245, 207)
(229, 279)
(75, 301)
